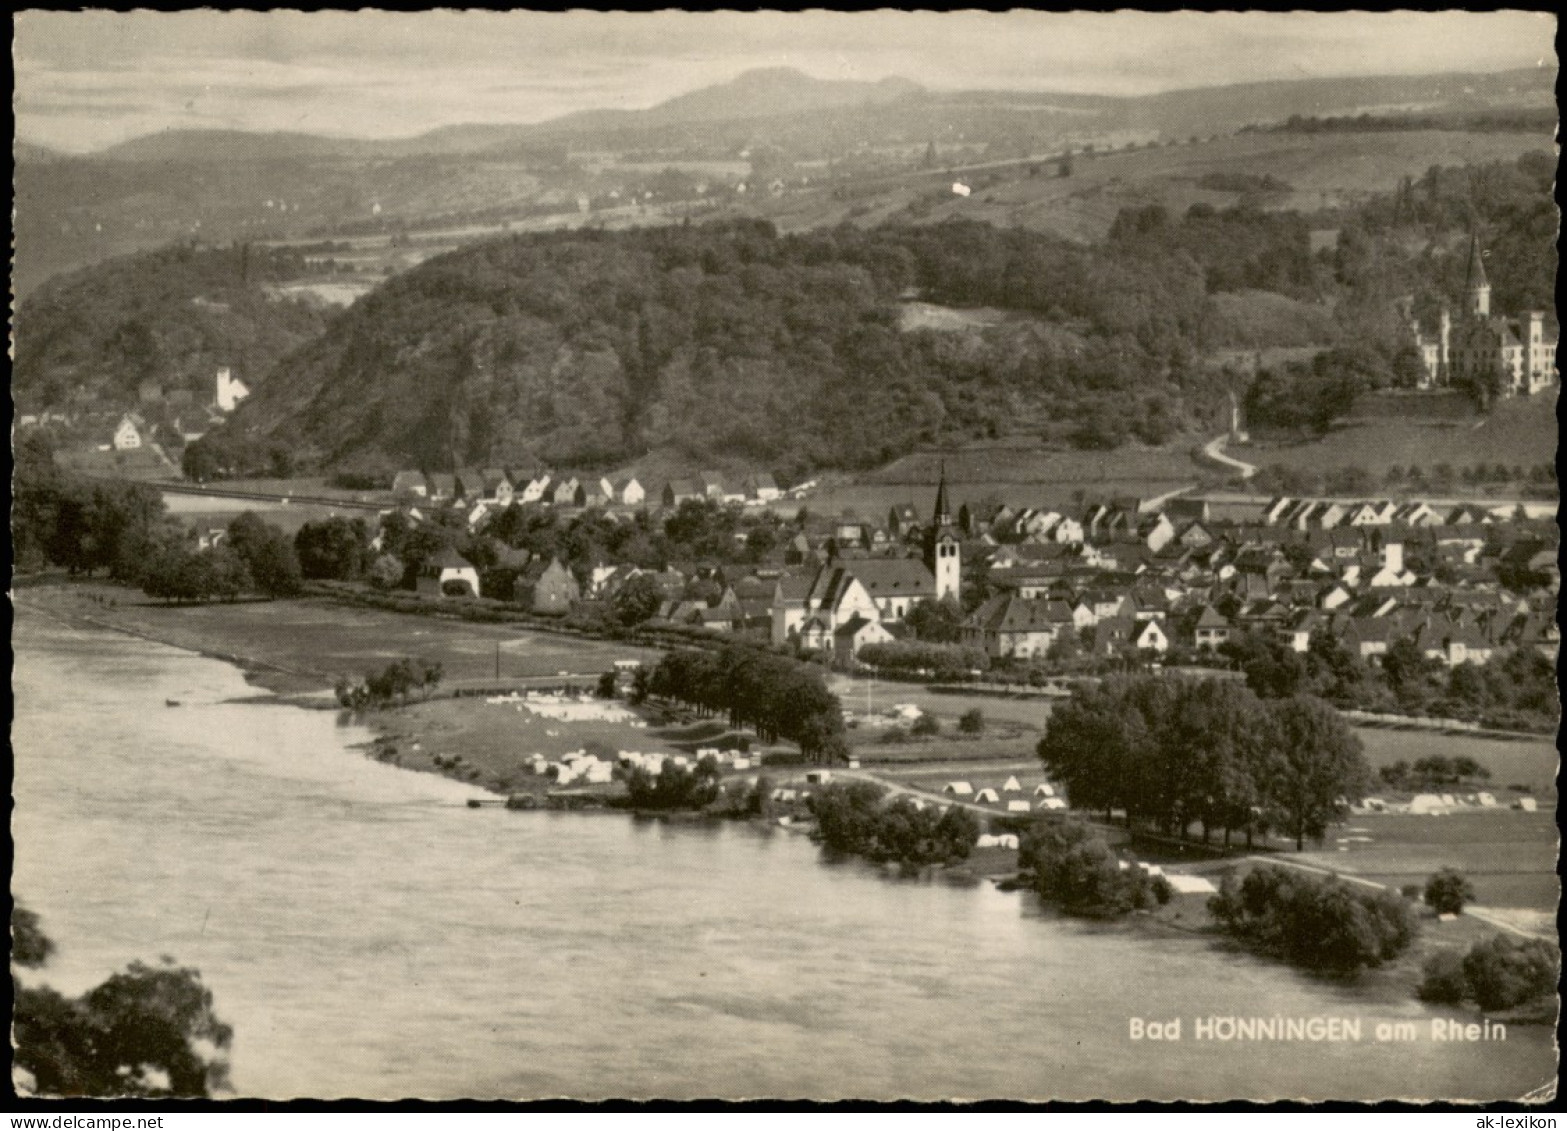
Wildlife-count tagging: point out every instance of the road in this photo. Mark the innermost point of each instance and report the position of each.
(1214, 450)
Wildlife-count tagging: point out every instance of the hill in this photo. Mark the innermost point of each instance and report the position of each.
(171, 316)
(713, 342)
(879, 146)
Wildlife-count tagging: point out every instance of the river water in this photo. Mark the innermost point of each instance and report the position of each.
(367, 934)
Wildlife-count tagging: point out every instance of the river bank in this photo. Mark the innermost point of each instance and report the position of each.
(439, 732)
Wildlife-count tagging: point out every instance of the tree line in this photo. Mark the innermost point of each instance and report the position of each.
(1170, 752)
(778, 697)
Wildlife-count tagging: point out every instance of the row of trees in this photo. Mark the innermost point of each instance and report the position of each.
(1516, 689)
(675, 787)
(854, 817)
(1500, 972)
(780, 698)
(944, 661)
(1170, 751)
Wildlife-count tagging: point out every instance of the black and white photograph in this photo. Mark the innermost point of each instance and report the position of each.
(773, 556)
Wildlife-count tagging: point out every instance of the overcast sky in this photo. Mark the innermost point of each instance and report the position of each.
(88, 79)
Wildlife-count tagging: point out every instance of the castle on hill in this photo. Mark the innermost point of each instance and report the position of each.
(1477, 342)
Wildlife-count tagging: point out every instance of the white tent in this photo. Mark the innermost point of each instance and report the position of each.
(1487, 800)
(1044, 790)
(1052, 803)
(1426, 803)
(1012, 785)
(1527, 804)
(987, 795)
(1017, 807)
(958, 789)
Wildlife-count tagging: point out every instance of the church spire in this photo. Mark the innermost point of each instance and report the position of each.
(1477, 288)
(942, 516)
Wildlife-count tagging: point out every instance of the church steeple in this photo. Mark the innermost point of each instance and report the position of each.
(1477, 288)
(943, 552)
(943, 515)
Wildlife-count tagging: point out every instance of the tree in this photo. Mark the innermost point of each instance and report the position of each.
(1502, 971)
(334, 549)
(267, 553)
(1447, 891)
(936, 622)
(926, 726)
(1320, 765)
(972, 722)
(148, 1031)
(606, 685)
(638, 600)
(386, 572)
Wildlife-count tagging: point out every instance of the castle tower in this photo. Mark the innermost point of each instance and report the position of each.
(943, 548)
(1477, 288)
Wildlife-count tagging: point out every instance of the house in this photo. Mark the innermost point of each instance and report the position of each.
(903, 520)
(762, 487)
(448, 574)
(555, 590)
(1155, 531)
(128, 433)
(230, 390)
(791, 594)
(442, 486)
(836, 596)
(711, 484)
(567, 493)
(1151, 638)
(530, 488)
(469, 484)
(1011, 625)
(625, 491)
(894, 584)
(1212, 628)
(497, 486)
(410, 483)
(678, 491)
(856, 633)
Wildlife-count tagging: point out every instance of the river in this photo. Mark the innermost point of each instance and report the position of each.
(367, 934)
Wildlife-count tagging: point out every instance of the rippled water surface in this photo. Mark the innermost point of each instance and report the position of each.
(366, 934)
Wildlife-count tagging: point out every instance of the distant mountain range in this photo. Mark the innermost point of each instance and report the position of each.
(784, 92)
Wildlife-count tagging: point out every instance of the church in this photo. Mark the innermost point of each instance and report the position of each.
(1518, 350)
(858, 595)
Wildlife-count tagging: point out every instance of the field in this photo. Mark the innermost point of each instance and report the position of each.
(1524, 762)
(1509, 856)
(305, 644)
(1012, 473)
(1520, 431)
(1323, 171)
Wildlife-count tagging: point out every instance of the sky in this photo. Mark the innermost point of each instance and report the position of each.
(85, 80)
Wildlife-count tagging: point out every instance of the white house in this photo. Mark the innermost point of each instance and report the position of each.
(1151, 638)
(127, 435)
(230, 390)
(448, 566)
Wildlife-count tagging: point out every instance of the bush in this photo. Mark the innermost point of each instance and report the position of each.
(1502, 971)
(850, 817)
(1444, 981)
(1075, 868)
(1447, 892)
(1320, 924)
(674, 786)
(972, 722)
(925, 726)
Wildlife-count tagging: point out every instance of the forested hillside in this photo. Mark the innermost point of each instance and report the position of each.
(172, 316)
(592, 348)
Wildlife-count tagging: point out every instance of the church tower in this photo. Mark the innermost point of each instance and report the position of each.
(943, 548)
(1477, 288)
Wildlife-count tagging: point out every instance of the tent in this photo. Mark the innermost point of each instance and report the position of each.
(958, 788)
(1044, 790)
(1012, 785)
(988, 796)
(1052, 803)
(1426, 803)
(1017, 807)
